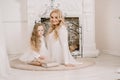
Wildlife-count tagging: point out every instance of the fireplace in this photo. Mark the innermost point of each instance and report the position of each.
(83, 13)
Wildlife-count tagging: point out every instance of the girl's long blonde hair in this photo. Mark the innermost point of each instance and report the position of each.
(61, 22)
(35, 38)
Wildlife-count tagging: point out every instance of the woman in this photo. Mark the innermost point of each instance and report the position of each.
(57, 40)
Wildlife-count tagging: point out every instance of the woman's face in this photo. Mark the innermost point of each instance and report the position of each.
(54, 19)
(40, 30)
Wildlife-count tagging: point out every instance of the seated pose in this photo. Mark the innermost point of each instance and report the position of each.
(57, 40)
(38, 53)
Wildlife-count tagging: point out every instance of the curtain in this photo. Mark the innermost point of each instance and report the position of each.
(4, 62)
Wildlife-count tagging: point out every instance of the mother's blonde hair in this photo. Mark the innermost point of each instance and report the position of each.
(61, 22)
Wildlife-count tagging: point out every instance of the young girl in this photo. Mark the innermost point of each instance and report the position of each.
(38, 51)
(57, 40)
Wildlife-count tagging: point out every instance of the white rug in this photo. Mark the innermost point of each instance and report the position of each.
(20, 65)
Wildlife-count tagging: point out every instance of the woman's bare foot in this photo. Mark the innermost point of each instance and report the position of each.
(69, 65)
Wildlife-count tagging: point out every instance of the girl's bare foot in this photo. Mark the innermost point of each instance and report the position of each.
(36, 63)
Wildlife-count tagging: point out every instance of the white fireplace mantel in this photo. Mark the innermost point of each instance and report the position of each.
(84, 9)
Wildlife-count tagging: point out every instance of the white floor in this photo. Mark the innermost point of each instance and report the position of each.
(104, 69)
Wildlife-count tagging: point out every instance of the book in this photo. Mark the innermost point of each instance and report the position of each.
(50, 64)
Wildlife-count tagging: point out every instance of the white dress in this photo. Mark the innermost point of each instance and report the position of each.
(59, 49)
(30, 55)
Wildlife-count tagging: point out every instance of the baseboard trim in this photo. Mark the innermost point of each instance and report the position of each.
(111, 52)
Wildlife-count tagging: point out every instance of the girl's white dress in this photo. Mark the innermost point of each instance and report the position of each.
(30, 55)
(59, 49)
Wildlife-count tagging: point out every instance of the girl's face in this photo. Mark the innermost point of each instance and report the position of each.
(40, 30)
(54, 19)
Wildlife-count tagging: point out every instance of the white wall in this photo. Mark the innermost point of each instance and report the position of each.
(108, 26)
(14, 20)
